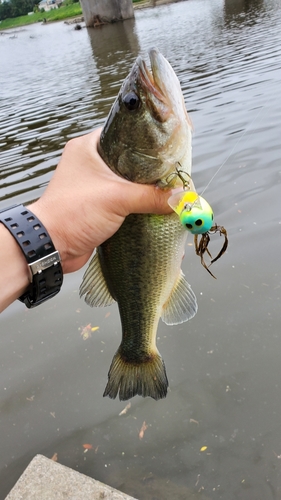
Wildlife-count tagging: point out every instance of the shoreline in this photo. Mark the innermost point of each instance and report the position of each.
(145, 4)
(150, 3)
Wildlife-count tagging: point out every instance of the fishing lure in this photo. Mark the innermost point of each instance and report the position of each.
(197, 216)
(194, 211)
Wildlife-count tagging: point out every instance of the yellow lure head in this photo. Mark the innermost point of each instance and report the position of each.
(194, 211)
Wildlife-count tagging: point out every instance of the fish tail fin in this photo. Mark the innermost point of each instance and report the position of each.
(147, 378)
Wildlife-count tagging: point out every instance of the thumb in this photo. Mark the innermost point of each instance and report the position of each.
(143, 199)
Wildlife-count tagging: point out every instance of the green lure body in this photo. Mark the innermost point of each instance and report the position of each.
(194, 212)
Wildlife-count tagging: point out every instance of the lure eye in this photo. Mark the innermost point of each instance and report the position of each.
(198, 223)
(131, 101)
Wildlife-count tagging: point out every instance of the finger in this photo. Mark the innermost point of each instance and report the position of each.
(147, 199)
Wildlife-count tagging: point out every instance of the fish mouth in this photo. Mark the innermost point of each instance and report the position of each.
(153, 81)
(162, 87)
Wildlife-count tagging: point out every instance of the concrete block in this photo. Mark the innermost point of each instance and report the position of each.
(95, 11)
(45, 479)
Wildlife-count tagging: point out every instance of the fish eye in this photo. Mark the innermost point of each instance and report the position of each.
(131, 101)
(199, 222)
(189, 226)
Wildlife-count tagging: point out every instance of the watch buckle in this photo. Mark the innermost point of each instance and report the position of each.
(38, 266)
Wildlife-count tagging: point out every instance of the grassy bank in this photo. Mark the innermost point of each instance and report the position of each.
(53, 15)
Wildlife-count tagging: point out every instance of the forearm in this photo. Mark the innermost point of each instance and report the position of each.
(14, 274)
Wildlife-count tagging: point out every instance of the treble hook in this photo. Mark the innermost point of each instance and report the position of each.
(179, 173)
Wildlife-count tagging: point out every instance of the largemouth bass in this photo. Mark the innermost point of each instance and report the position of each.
(147, 135)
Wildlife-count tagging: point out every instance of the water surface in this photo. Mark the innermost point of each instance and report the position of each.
(223, 366)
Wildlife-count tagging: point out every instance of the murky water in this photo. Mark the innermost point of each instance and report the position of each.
(223, 366)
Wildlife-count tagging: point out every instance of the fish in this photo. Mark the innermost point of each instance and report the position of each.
(147, 134)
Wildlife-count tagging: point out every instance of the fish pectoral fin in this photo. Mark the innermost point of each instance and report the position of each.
(94, 286)
(181, 305)
(146, 379)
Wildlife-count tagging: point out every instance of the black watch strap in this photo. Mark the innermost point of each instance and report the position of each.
(42, 258)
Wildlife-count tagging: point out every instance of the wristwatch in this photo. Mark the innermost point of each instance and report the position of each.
(42, 258)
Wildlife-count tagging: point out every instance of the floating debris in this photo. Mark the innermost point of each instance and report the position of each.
(86, 331)
(192, 421)
(127, 407)
(87, 446)
(143, 429)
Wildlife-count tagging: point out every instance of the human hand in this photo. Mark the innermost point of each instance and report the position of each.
(85, 202)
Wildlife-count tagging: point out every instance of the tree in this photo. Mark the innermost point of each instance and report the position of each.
(5, 10)
(15, 8)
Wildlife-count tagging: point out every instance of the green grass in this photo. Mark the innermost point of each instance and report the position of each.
(53, 15)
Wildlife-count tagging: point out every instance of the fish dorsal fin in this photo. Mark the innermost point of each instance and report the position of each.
(181, 305)
(94, 286)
